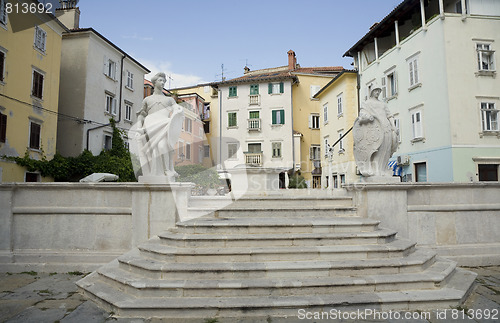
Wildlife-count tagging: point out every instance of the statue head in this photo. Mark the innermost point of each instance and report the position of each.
(375, 92)
(158, 76)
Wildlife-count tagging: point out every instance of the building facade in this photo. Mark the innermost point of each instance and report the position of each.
(99, 81)
(436, 63)
(30, 57)
(339, 109)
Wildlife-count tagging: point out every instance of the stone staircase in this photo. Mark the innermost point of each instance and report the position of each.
(271, 256)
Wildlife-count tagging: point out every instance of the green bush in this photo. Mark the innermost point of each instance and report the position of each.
(297, 181)
(204, 177)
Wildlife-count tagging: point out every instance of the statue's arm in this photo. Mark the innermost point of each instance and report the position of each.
(365, 117)
(142, 113)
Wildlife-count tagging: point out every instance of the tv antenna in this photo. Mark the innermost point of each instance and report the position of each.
(169, 76)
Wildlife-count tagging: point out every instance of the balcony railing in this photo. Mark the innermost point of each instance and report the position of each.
(254, 159)
(254, 99)
(254, 124)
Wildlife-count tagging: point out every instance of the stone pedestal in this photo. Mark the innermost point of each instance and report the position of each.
(380, 179)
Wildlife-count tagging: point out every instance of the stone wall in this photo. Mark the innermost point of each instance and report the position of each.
(458, 220)
(79, 226)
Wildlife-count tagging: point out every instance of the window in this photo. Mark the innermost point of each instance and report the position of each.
(489, 117)
(188, 151)
(278, 117)
(276, 149)
(40, 38)
(37, 86)
(488, 172)
(232, 149)
(485, 57)
(389, 84)
(314, 89)
(108, 144)
(325, 113)
(110, 68)
(130, 80)
(254, 89)
(396, 125)
(327, 147)
(340, 109)
(3, 12)
(341, 143)
(416, 122)
(233, 91)
(206, 126)
(315, 152)
(206, 151)
(110, 104)
(2, 66)
(254, 120)
(35, 130)
(3, 127)
(32, 177)
(276, 88)
(188, 127)
(421, 172)
(232, 119)
(413, 70)
(254, 148)
(314, 121)
(128, 111)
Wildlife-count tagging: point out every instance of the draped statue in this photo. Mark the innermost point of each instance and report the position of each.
(375, 137)
(153, 137)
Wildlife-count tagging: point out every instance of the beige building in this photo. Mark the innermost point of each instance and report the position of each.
(339, 108)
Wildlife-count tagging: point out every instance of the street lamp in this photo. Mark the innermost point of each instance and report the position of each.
(329, 153)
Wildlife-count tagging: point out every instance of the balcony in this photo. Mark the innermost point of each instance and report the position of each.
(254, 124)
(253, 159)
(254, 99)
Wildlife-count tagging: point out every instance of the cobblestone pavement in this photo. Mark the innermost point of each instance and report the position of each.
(53, 297)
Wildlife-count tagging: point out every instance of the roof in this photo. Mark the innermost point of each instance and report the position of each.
(92, 30)
(323, 89)
(377, 29)
(283, 72)
(165, 91)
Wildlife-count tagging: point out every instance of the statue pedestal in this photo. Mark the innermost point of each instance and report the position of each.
(152, 179)
(254, 179)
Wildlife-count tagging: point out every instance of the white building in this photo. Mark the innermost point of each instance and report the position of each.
(99, 81)
(436, 62)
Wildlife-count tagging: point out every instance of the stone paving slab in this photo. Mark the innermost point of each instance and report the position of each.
(44, 297)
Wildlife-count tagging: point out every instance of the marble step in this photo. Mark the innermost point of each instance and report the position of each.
(155, 269)
(146, 287)
(304, 210)
(220, 225)
(124, 304)
(277, 239)
(157, 250)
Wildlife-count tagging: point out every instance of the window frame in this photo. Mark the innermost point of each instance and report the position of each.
(480, 54)
(315, 152)
(325, 113)
(233, 92)
(414, 77)
(254, 89)
(417, 125)
(486, 116)
(39, 87)
(275, 88)
(278, 119)
(230, 119)
(276, 147)
(3, 127)
(314, 121)
(232, 150)
(35, 139)
(3, 59)
(340, 107)
(3, 13)
(130, 80)
(40, 41)
(105, 146)
(188, 125)
(128, 111)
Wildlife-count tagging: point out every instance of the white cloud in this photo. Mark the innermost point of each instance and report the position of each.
(177, 80)
(137, 37)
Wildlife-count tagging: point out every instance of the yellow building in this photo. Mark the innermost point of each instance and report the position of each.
(30, 60)
(306, 116)
(338, 102)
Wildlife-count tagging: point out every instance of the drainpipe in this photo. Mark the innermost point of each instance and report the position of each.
(119, 105)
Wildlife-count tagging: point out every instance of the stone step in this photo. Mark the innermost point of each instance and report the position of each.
(277, 239)
(155, 269)
(146, 287)
(159, 251)
(123, 304)
(294, 211)
(269, 201)
(219, 225)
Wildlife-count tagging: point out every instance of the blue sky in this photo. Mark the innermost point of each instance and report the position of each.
(190, 40)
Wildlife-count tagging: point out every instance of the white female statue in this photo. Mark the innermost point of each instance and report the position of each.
(375, 137)
(159, 123)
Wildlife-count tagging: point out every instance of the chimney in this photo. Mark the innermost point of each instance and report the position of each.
(247, 69)
(69, 14)
(292, 60)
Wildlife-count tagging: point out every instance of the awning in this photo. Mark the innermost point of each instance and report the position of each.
(396, 170)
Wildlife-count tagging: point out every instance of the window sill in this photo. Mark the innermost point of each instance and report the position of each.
(419, 139)
(128, 121)
(235, 127)
(340, 115)
(341, 151)
(486, 73)
(277, 125)
(275, 93)
(413, 87)
(232, 97)
(493, 133)
(111, 78)
(39, 50)
(40, 100)
(395, 96)
(129, 88)
(35, 150)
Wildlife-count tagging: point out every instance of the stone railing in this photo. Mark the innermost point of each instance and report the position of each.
(254, 159)
(254, 124)
(254, 99)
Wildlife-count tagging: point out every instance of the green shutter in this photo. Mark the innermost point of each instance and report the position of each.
(282, 87)
(274, 116)
(270, 88)
(254, 114)
(254, 89)
(282, 115)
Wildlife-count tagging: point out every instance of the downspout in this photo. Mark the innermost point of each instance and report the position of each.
(119, 106)
(220, 129)
(292, 83)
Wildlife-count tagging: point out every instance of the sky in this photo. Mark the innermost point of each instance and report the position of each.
(190, 40)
